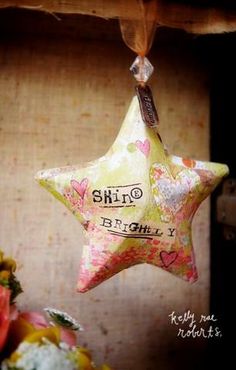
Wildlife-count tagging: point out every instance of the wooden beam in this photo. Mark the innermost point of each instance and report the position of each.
(191, 18)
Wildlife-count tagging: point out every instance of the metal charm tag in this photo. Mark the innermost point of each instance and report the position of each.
(147, 106)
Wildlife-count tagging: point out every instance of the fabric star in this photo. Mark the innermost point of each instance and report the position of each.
(136, 203)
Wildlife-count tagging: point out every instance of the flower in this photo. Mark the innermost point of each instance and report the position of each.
(35, 318)
(4, 314)
(31, 332)
(32, 327)
(47, 356)
(31, 342)
(7, 277)
(9, 289)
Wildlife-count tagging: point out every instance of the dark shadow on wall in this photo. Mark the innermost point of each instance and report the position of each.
(219, 51)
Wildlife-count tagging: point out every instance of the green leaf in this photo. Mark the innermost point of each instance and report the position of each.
(63, 319)
(4, 282)
(15, 287)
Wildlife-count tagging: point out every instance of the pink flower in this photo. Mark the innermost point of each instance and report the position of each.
(39, 322)
(14, 313)
(35, 318)
(68, 336)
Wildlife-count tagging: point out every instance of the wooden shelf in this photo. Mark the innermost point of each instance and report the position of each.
(194, 16)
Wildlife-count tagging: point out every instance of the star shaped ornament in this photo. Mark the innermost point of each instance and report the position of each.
(136, 203)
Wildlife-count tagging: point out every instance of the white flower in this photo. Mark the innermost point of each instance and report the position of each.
(48, 356)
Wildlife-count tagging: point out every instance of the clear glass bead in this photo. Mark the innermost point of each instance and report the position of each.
(142, 69)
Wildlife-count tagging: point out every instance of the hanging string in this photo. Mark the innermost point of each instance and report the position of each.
(138, 33)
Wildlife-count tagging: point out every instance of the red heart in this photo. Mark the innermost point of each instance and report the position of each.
(168, 257)
(80, 187)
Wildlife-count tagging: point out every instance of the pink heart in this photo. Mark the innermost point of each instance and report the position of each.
(80, 187)
(168, 257)
(144, 147)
